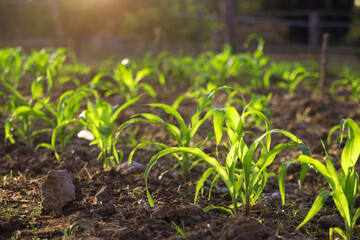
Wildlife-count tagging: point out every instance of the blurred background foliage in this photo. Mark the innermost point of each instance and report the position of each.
(138, 18)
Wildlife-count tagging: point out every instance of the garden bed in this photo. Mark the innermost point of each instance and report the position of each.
(112, 203)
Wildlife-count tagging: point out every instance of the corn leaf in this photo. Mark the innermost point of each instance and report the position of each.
(338, 231)
(142, 145)
(342, 205)
(201, 181)
(356, 216)
(315, 208)
(206, 209)
(169, 110)
(351, 150)
(178, 229)
(122, 107)
(282, 174)
(149, 89)
(212, 161)
(218, 121)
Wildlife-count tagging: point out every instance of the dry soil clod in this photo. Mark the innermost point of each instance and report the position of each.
(57, 190)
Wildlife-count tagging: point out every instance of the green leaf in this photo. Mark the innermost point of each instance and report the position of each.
(142, 145)
(317, 205)
(8, 131)
(210, 160)
(149, 89)
(197, 124)
(15, 92)
(36, 89)
(206, 209)
(338, 231)
(178, 229)
(342, 205)
(141, 74)
(169, 110)
(356, 216)
(201, 181)
(332, 130)
(233, 119)
(122, 107)
(318, 166)
(282, 175)
(218, 122)
(351, 150)
(45, 145)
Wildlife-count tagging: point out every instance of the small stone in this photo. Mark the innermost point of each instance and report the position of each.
(86, 134)
(57, 190)
(133, 168)
(331, 221)
(102, 196)
(273, 200)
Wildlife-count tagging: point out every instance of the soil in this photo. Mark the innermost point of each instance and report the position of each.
(112, 203)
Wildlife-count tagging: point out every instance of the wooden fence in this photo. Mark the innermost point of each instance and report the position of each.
(313, 22)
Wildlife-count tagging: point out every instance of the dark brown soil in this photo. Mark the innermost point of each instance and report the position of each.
(122, 211)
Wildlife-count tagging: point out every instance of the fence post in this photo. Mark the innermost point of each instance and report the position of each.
(228, 20)
(157, 40)
(314, 30)
(200, 18)
(57, 21)
(324, 57)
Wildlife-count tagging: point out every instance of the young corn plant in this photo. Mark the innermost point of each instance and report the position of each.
(257, 102)
(11, 65)
(216, 69)
(65, 115)
(344, 186)
(254, 64)
(183, 134)
(39, 63)
(25, 113)
(99, 118)
(246, 182)
(351, 81)
(291, 79)
(128, 83)
(179, 67)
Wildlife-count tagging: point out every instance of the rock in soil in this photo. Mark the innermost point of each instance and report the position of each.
(57, 190)
(331, 221)
(133, 168)
(244, 228)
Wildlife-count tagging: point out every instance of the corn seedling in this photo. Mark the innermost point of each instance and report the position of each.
(344, 187)
(254, 64)
(246, 182)
(183, 133)
(216, 69)
(65, 116)
(99, 118)
(11, 65)
(39, 63)
(351, 81)
(256, 102)
(180, 68)
(25, 113)
(128, 83)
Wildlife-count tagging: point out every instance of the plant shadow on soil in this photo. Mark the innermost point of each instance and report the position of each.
(112, 204)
